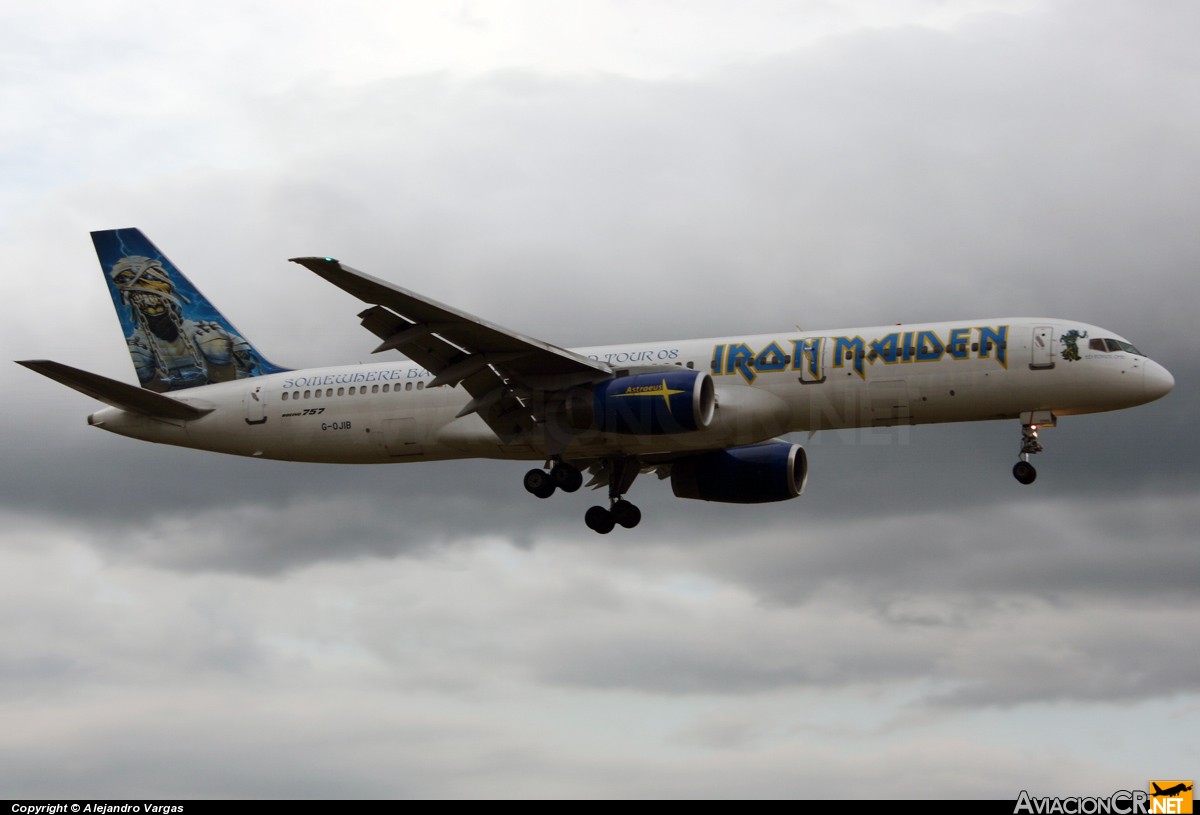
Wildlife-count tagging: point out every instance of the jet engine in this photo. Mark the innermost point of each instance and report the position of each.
(754, 474)
(649, 403)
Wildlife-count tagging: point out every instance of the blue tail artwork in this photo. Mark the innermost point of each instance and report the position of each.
(177, 339)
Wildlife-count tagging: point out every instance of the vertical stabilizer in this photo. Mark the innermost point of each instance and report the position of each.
(177, 339)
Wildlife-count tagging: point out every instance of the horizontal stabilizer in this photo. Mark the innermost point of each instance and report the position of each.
(112, 392)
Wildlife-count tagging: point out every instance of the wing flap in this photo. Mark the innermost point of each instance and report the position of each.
(118, 394)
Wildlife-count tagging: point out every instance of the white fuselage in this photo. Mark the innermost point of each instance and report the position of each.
(766, 385)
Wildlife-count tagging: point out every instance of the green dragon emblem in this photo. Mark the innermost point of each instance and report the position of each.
(1070, 341)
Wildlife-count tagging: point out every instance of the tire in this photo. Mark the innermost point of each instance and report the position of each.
(539, 483)
(599, 519)
(626, 514)
(1024, 472)
(567, 478)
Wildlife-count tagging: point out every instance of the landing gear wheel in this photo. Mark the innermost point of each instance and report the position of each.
(539, 483)
(599, 519)
(1024, 472)
(626, 514)
(566, 477)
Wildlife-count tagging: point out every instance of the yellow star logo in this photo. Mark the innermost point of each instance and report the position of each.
(652, 390)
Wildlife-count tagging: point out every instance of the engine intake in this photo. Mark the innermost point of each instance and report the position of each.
(754, 474)
(652, 403)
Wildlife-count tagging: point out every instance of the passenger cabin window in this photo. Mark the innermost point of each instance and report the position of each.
(285, 396)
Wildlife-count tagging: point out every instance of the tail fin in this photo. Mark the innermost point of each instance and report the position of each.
(176, 338)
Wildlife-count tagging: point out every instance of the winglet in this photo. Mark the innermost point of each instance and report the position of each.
(117, 394)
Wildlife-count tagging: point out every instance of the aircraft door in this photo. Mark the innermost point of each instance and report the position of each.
(1042, 354)
(813, 360)
(256, 405)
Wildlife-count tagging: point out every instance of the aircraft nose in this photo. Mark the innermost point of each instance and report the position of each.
(1157, 381)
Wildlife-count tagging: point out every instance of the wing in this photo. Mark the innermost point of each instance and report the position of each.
(504, 371)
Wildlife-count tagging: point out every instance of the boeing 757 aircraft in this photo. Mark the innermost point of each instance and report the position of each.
(704, 413)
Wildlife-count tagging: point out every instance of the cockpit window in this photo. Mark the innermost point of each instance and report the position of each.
(1111, 346)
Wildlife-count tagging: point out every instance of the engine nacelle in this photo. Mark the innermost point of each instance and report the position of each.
(754, 474)
(649, 404)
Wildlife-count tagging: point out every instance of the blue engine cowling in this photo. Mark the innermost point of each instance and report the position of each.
(754, 474)
(676, 401)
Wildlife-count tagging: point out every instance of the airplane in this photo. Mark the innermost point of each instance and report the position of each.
(1170, 792)
(706, 414)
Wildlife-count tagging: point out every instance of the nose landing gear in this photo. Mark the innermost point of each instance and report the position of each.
(1023, 471)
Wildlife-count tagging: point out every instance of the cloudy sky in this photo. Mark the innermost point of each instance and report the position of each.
(176, 623)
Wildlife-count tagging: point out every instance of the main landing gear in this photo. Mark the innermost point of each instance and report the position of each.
(562, 476)
(568, 478)
(620, 472)
(1023, 471)
(623, 513)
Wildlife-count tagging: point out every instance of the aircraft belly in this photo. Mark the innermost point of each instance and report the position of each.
(943, 393)
(227, 431)
(470, 436)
